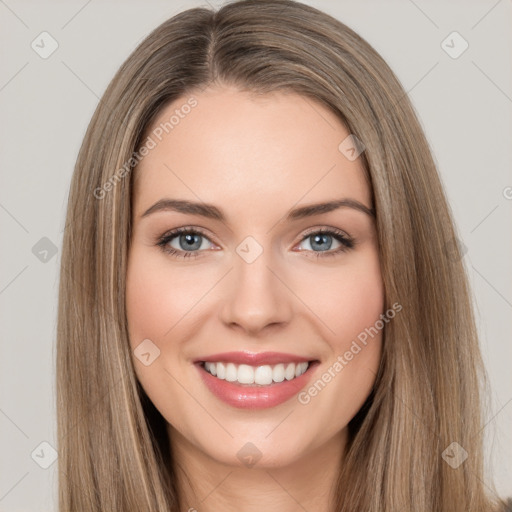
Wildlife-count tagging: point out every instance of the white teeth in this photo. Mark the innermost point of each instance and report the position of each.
(231, 372)
(289, 372)
(245, 374)
(211, 367)
(221, 370)
(278, 373)
(263, 375)
(260, 375)
(300, 369)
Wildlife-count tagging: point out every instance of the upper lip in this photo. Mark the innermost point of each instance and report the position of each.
(254, 359)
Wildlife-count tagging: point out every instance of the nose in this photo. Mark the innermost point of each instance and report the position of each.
(257, 296)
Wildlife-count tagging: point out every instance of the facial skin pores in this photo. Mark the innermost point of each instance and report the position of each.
(252, 300)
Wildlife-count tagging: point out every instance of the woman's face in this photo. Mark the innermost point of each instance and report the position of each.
(252, 275)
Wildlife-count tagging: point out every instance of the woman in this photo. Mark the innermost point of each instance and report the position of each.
(207, 357)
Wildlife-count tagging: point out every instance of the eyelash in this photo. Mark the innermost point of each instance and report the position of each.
(346, 242)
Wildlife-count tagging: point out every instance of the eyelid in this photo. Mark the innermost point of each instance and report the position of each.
(325, 228)
(188, 229)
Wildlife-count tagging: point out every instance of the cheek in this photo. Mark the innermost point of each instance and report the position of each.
(351, 308)
(357, 298)
(348, 299)
(361, 303)
(158, 297)
(145, 302)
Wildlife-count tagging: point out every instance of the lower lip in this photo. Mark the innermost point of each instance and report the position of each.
(244, 396)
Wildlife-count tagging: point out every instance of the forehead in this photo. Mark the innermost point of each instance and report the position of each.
(262, 152)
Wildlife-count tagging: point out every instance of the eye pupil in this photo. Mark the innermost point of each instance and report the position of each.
(190, 241)
(320, 240)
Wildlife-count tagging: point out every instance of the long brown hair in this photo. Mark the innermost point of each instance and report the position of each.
(113, 447)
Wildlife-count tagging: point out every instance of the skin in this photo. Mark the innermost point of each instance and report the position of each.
(255, 158)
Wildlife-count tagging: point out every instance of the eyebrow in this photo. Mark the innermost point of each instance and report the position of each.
(212, 212)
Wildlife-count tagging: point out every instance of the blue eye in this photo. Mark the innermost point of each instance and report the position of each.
(322, 239)
(191, 240)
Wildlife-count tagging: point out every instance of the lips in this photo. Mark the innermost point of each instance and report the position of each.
(254, 396)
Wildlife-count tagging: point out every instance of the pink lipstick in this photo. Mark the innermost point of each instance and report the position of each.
(255, 380)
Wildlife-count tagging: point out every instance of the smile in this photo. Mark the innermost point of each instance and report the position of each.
(260, 375)
(255, 381)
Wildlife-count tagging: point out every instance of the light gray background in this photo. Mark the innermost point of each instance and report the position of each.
(464, 104)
